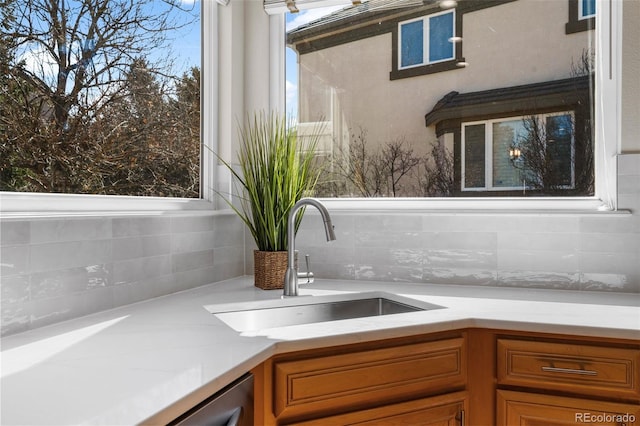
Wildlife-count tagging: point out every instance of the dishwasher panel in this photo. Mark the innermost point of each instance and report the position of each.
(232, 406)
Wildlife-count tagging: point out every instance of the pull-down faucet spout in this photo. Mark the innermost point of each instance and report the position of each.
(291, 276)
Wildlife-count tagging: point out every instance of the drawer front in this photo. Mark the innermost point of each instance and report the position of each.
(578, 368)
(443, 410)
(367, 378)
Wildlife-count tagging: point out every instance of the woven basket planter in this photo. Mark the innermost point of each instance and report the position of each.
(269, 268)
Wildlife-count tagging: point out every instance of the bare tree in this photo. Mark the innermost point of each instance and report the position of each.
(437, 177)
(69, 62)
(372, 172)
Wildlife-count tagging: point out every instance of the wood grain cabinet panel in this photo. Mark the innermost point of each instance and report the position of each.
(530, 409)
(368, 378)
(444, 410)
(576, 368)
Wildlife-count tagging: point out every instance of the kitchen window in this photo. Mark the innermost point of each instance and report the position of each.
(426, 40)
(385, 148)
(534, 153)
(115, 122)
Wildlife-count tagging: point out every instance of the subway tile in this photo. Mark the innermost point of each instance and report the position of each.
(228, 231)
(629, 184)
(610, 243)
(612, 224)
(191, 278)
(76, 229)
(375, 272)
(538, 241)
(181, 262)
(539, 279)
(142, 246)
(144, 225)
(14, 232)
(15, 289)
(608, 282)
(228, 255)
(142, 290)
(16, 318)
(192, 241)
(628, 164)
(379, 238)
(69, 281)
(63, 255)
(550, 261)
(460, 240)
(609, 263)
(133, 270)
(14, 260)
(459, 276)
(458, 259)
(200, 223)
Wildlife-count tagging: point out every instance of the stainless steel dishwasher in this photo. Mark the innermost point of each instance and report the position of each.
(231, 406)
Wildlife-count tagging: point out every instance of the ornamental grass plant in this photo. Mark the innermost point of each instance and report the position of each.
(275, 171)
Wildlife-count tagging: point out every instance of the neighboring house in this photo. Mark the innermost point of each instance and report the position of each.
(479, 78)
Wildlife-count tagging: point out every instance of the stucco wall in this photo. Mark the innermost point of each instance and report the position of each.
(507, 45)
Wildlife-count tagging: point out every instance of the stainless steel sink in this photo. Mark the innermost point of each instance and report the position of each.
(308, 310)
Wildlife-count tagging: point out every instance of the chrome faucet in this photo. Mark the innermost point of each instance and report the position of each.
(291, 276)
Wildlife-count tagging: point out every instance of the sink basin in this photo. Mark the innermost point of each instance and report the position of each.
(316, 309)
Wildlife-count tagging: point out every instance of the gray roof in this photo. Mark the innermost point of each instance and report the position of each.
(365, 11)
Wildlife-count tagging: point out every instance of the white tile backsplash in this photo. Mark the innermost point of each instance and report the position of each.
(56, 269)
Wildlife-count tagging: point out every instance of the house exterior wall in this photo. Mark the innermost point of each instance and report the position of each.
(507, 45)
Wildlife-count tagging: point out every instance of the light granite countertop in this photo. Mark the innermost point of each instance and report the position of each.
(144, 363)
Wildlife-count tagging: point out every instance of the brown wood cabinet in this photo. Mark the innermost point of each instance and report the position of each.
(375, 383)
(473, 377)
(551, 382)
(445, 410)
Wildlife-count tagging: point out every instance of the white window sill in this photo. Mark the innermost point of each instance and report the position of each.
(473, 205)
(24, 205)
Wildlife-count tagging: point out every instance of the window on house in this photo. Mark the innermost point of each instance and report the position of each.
(461, 132)
(101, 99)
(426, 40)
(534, 153)
(587, 9)
(582, 16)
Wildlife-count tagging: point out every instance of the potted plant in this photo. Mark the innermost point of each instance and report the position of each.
(274, 173)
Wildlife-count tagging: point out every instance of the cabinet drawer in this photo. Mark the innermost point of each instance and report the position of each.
(442, 410)
(366, 378)
(571, 367)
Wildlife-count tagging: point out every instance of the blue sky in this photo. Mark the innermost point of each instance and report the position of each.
(294, 20)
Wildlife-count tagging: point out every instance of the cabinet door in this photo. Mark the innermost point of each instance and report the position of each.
(530, 409)
(331, 384)
(444, 410)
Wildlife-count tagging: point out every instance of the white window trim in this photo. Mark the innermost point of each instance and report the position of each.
(608, 122)
(426, 23)
(488, 153)
(20, 204)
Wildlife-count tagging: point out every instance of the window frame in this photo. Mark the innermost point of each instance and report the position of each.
(581, 14)
(576, 22)
(608, 27)
(24, 204)
(488, 151)
(608, 119)
(426, 37)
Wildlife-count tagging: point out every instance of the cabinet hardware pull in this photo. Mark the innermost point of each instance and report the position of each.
(570, 371)
(462, 420)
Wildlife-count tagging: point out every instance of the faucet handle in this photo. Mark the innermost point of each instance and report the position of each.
(307, 275)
